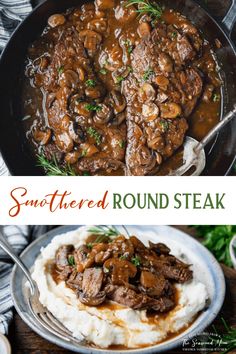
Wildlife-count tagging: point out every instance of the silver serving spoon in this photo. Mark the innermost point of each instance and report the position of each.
(194, 153)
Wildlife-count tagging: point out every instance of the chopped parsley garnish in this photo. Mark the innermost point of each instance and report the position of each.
(103, 71)
(94, 134)
(148, 73)
(174, 34)
(216, 97)
(129, 46)
(60, 70)
(89, 245)
(130, 69)
(164, 124)
(84, 152)
(93, 107)
(119, 79)
(71, 261)
(121, 144)
(136, 261)
(91, 83)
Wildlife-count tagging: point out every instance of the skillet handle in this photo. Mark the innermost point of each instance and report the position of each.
(230, 17)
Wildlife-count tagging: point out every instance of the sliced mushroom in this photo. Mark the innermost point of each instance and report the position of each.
(65, 122)
(62, 255)
(150, 111)
(56, 20)
(100, 250)
(118, 101)
(147, 92)
(72, 157)
(119, 118)
(104, 115)
(121, 73)
(165, 63)
(42, 137)
(125, 14)
(137, 244)
(76, 132)
(88, 150)
(64, 142)
(69, 78)
(98, 25)
(83, 258)
(159, 158)
(92, 301)
(146, 162)
(91, 39)
(155, 144)
(122, 247)
(121, 270)
(144, 29)
(81, 73)
(105, 4)
(94, 92)
(170, 110)
(161, 80)
(82, 109)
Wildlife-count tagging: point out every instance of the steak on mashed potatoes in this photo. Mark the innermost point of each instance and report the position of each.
(114, 290)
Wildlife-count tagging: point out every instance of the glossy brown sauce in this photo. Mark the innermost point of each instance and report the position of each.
(152, 318)
(37, 117)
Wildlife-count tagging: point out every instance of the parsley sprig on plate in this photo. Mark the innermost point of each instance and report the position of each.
(217, 239)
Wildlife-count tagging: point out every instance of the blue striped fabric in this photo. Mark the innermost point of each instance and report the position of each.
(18, 237)
(12, 12)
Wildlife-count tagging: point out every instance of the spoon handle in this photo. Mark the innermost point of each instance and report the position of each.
(7, 248)
(227, 118)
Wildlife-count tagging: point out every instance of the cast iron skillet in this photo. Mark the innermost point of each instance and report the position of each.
(16, 150)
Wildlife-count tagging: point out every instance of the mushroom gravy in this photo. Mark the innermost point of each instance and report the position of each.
(112, 89)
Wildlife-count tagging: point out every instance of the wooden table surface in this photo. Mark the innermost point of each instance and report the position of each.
(25, 341)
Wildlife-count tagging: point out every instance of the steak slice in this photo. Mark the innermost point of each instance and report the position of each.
(137, 301)
(152, 284)
(91, 294)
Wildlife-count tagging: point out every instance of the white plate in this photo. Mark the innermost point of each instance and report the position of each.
(206, 269)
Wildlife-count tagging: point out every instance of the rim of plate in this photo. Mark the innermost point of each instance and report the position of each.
(210, 313)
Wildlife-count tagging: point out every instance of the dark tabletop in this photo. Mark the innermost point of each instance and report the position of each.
(25, 341)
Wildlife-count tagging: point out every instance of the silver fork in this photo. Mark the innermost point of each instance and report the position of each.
(39, 312)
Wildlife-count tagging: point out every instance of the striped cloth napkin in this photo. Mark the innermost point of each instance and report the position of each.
(18, 237)
(12, 12)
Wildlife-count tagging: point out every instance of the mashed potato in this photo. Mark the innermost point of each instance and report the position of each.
(116, 325)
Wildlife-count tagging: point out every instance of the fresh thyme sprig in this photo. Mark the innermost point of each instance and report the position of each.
(103, 233)
(52, 167)
(147, 7)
